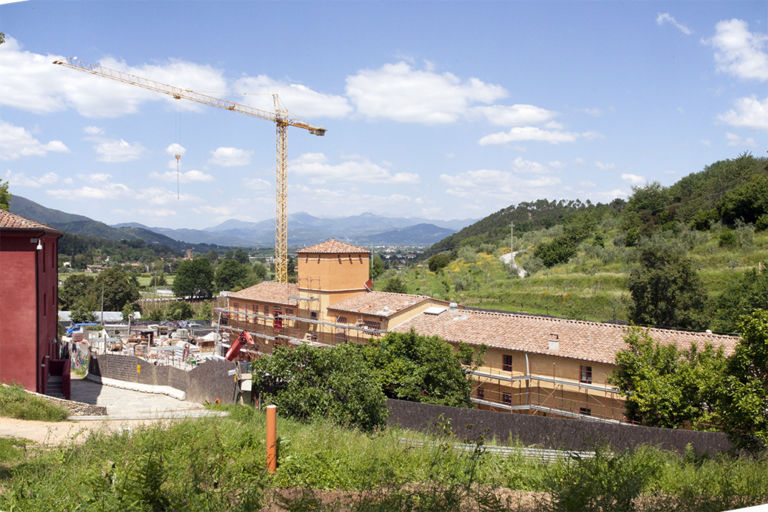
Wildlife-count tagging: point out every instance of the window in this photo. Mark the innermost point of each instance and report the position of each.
(507, 365)
(506, 398)
(289, 312)
(313, 315)
(480, 392)
(370, 324)
(586, 375)
(585, 411)
(341, 319)
(266, 309)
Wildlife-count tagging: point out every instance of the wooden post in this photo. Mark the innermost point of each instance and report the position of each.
(271, 438)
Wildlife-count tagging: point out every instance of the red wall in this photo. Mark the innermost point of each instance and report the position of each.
(28, 307)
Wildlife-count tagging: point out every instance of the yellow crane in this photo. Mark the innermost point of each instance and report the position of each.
(280, 117)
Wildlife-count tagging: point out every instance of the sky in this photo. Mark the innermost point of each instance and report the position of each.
(439, 110)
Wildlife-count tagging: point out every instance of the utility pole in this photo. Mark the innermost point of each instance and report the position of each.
(102, 304)
(512, 237)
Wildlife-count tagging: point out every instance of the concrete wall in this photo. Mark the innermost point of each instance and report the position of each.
(205, 383)
(552, 433)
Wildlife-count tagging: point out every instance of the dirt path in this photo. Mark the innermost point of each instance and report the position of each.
(509, 259)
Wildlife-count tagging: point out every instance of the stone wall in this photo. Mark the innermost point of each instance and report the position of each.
(547, 432)
(76, 408)
(204, 383)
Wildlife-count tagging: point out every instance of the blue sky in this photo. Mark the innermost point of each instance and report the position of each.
(433, 109)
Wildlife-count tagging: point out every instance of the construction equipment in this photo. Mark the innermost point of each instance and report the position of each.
(280, 117)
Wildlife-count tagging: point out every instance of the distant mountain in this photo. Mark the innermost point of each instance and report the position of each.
(81, 225)
(420, 234)
(304, 229)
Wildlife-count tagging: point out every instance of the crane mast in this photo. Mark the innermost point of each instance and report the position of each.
(280, 117)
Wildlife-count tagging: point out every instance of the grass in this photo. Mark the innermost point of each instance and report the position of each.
(15, 402)
(591, 286)
(219, 463)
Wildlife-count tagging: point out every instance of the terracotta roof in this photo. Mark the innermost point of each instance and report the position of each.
(11, 221)
(589, 341)
(333, 246)
(383, 304)
(270, 291)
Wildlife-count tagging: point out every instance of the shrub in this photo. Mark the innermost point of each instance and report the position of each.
(438, 261)
(308, 382)
(179, 310)
(727, 238)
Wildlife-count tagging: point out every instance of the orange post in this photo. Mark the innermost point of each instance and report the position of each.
(271, 438)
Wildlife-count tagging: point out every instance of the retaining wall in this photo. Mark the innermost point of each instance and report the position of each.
(205, 383)
(546, 432)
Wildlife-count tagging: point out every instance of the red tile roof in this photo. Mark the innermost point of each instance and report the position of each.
(589, 341)
(383, 304)
(270, 291)
(333, 246)
(11, 221)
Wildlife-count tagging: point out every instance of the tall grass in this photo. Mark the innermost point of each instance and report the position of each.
(15, 402)
(219, 463)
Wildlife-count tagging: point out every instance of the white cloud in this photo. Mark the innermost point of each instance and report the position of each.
(97, 177)
(593, 111)
(556, 164)
(93, 130)
(400, 93)
(665, 17)
(113, 150)
(749, 113)
(183, 177)
(336, 201)
(298, 99)
(176, 149)
(632, 178)
(534, 133)
(493, 188)
(353, 168)
(521, 166)
(256, 184)
(162, 196)
(514, 115)
(738, 51)
(605, 166)
(230, 157)
(735, 140)
(17, 142)
(109, 191)
(30, 82)
(19, 179)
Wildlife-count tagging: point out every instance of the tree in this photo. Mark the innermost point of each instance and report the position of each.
(377, 266)
(746, 202)
(419, 369)
(194, 278)
(668, 387)
(179, 310)
(260, 270)
(77, 287)
(744, 393)
(120, 288)
(5, 196)
(336, 383)
(127, 312)
(395, 285)
(744, 294)
(666, 291)
(81, 313)
(230, 274)
(438, 261)
(239, 255)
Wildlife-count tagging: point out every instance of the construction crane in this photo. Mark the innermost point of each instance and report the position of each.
(280, 117)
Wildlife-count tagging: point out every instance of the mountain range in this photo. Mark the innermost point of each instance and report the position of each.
(303, 229)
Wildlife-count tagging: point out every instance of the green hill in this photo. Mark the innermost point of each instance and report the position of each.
(578, 255)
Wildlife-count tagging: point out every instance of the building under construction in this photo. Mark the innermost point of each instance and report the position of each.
(532, 364)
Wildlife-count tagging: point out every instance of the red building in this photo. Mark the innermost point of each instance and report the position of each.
(28, 300)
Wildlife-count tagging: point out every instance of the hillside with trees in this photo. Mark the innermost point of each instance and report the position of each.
(688, 256)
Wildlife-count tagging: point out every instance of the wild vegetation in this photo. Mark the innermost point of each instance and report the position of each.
(583, 259)
(219, 463)
(15, 402)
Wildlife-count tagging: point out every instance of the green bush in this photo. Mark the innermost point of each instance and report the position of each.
(438, 261)
(727, 238)
(307, 382)
(15, 402)
(179, 310)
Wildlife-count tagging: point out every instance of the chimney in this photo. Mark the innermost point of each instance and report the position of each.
(554, 342)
